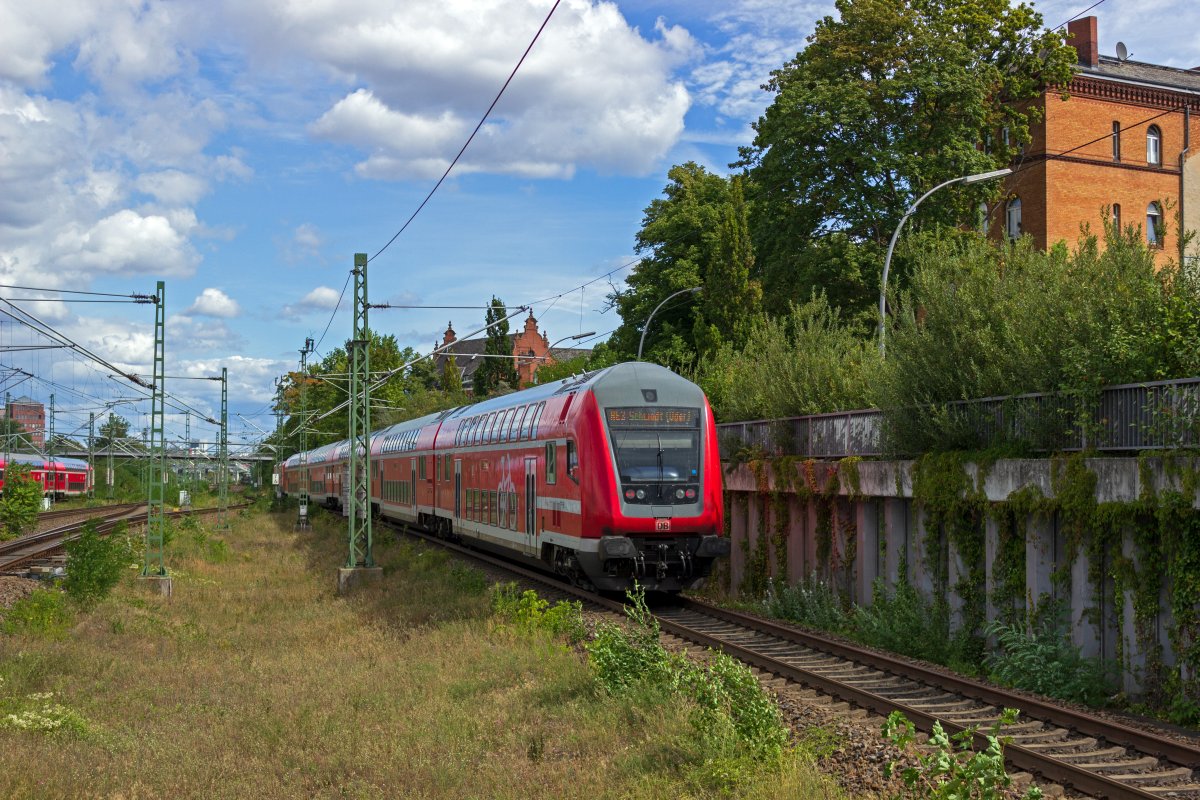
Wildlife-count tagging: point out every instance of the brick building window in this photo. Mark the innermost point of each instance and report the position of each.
(1153, 145)
(1154, 225)
(1116, 137)
(1012, 218)
(1116, 216)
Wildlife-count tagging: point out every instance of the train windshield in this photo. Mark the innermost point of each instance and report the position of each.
(656, 446)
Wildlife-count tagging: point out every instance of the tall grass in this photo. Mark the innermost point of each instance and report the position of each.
(256, 680)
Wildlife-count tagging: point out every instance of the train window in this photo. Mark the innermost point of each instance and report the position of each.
(493, 423)
(421, 470)
(505, 422)
(503, 509)
(512, 510)
(551, 462)
(492, 506)
(537, 417)
(446, 467)
(527, 430)
(572, 460)
(514, 427)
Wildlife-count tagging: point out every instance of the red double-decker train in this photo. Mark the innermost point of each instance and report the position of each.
(609, 478)
(59, 477)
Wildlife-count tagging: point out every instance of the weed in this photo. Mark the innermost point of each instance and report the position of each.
(39, 713)
(1042, 659)
(811, 602)
(531, 613)
(950, 769)
(43, 612)
(904, 623)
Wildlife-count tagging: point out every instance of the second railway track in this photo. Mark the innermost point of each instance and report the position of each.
(1087, 753)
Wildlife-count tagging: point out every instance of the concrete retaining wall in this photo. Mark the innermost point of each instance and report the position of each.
(878, 530)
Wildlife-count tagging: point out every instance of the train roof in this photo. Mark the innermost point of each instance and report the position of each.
(620, 380)
(34, 459)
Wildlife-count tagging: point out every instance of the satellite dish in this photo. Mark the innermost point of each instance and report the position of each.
(1122, 52)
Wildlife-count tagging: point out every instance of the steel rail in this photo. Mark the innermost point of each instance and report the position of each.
(1149, 743)
(42, 544)
(1046, 767)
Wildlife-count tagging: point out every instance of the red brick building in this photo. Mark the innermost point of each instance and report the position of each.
(530, 349)
(31, 416)
(1123, 143)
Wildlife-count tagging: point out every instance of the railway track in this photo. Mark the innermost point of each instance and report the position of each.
(18, 554)
(1089, 754)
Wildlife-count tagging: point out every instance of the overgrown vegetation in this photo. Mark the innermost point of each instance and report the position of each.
(1038, 656)
(42, 613)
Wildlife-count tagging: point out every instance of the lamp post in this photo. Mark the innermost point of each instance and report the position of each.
(887, 262)
(646, 325)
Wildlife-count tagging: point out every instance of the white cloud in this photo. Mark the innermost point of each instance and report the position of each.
(127, 243)
(214, 303)
(593, 92)
(321, 298)
(172, 187)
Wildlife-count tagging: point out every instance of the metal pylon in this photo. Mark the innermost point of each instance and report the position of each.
(223, 452)
(111, 477)
(359, 494)
(302, 520)
(53, 483)
(7, 427)
(156, 520)
(91, 487)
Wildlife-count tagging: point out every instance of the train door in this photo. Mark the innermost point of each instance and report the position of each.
(531, 504)
(457, 490)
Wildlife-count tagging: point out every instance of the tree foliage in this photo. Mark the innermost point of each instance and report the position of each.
(984, 320)
(888, 99)
(500, 372)
(113, 429)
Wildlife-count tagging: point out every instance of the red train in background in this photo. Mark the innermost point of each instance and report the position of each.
(60, 477)
(609, 478)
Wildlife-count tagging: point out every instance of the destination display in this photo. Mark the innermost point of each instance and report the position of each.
(653, 417)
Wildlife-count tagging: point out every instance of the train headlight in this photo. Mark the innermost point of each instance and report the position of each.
(679, 494)
(641, 494)
(691, 494)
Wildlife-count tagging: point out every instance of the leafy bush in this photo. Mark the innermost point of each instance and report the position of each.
(904, 623)
(43, 612)
(953, 771)
(1043, 660)
(20, 503)
(804, 362)
(95, 565)
(625, 656)
(810, 602)
(987, 320)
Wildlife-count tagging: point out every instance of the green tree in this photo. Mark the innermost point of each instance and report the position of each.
(95, 564)
(112, 431)
(499, 372)
(17, 437)
(678, 241)
(888, 99)
(21, 501)
(451, 378)
(731, 298)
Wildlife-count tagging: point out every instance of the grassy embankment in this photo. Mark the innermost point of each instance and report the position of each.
(256, 681)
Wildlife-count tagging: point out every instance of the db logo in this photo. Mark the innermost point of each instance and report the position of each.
(662, 524)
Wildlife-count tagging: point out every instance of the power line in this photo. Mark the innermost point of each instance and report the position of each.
(472, 136)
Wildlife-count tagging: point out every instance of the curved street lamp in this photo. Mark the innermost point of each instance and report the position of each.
(887, 262)
(646, 325)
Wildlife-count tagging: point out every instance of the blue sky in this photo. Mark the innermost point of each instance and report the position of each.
(244, 151)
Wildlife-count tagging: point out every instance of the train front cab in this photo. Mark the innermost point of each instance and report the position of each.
(657, 510)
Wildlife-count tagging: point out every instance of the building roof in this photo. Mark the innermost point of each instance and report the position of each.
(1140, 72)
